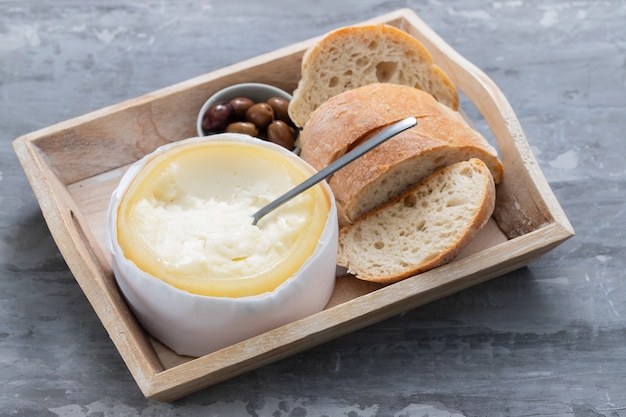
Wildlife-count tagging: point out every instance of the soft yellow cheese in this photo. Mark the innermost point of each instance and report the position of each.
(187, 218)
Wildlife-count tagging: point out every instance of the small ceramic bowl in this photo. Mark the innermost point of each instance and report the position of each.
(194, 324)
(256, 92)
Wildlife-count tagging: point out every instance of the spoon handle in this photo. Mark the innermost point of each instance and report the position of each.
(367, 146)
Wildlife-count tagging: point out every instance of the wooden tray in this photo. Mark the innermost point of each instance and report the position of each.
(73, 166)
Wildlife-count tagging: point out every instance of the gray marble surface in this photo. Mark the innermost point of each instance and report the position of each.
(546, 340)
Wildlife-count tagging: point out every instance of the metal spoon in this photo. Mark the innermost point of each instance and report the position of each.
(387, 133)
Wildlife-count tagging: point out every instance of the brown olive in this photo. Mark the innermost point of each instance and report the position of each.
(261, 114)
(246, 128)
(281, 134)
(217, 117)
(241, 105)
(280, 107)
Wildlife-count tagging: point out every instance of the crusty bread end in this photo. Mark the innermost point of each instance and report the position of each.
(354, 56)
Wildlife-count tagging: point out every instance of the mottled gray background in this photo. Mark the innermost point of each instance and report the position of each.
(547, 340)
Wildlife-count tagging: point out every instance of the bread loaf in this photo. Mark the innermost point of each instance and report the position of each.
(441, 138)
(354, 56)
(424, 227)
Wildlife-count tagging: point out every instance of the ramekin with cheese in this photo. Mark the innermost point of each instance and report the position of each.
(194, 270)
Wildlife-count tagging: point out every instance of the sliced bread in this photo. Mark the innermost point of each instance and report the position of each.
(354, 56)
(442, 137)
(423, 228)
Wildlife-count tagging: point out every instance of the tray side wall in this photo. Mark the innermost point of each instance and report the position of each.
(87, 264)
(121, 134)
(515, 216)
(352, 315)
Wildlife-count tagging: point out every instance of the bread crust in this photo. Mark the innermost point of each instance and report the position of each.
(442, 137)
(345, 119)
(358, 55)
(484, 210)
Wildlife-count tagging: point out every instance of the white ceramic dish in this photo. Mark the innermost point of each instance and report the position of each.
(196, 325)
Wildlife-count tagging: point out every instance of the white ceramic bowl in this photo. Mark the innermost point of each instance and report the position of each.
(257, 92)
(195, 325)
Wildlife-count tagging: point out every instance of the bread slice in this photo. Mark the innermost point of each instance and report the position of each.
(354, 56)
(442, 137)
(421, 229)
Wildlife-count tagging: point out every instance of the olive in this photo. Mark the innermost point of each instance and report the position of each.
(281, 134)
(261, 114)
(218, 117)
(246, 128)
(241, 105)
(280, 107)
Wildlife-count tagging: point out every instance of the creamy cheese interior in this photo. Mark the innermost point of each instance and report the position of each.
(186, 218)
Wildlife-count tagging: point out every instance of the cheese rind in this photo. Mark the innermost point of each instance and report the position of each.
(186, 219)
